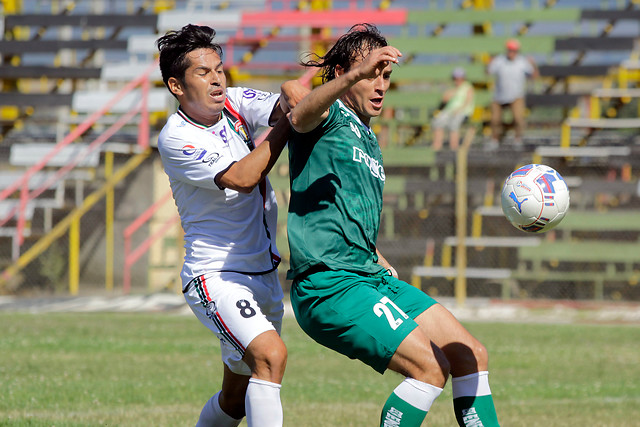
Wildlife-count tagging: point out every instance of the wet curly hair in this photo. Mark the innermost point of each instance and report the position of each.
(356, 43)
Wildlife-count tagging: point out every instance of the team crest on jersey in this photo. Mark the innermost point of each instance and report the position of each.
(239, 128)
(355, 129)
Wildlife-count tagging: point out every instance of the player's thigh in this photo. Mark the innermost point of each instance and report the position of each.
(465, 353)
(236, 308)
(417, 356)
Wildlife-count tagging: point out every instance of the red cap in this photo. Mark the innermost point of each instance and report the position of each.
(513, 44)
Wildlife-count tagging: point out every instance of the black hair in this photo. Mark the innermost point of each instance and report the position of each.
(175, 45)
(356, 43)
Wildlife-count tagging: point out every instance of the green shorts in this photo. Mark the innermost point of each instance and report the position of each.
(361, 316)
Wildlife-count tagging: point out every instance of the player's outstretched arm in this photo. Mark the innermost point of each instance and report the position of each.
(314, 108)
(246, 173)
(291, 92)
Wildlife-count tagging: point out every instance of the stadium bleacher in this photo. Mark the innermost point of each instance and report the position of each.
(61, 67)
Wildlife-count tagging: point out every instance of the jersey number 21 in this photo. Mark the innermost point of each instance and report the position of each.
(384, 307)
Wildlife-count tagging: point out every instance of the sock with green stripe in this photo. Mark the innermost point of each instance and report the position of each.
(472, 401)
(408, 404)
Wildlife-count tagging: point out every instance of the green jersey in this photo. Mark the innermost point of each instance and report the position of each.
(337, 179)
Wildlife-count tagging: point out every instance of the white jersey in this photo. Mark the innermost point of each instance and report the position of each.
(224, 230)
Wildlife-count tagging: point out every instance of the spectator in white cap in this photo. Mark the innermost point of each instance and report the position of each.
(458, 105)
(510, 71)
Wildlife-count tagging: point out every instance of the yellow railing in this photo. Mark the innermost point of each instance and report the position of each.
(72, 221)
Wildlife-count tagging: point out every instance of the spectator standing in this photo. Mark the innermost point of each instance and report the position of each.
(458, 106)
(510, 71)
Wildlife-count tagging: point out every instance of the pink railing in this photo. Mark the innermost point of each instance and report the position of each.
(131, 256)
(22, 183)
(262, 27)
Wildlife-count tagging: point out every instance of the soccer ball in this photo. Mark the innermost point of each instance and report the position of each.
(535, 198)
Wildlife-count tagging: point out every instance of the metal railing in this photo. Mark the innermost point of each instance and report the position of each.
(71, 222)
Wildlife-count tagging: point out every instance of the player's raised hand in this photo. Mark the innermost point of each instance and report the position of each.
(377, 60)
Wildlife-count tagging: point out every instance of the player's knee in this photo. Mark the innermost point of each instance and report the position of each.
(276, 356)
(467, 358)
(481, 356)
(433, 370)
(269, 361)
(427, 365)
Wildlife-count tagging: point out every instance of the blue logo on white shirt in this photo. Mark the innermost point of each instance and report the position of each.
(200, 154)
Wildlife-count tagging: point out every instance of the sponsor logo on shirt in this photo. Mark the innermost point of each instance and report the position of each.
(257, 94)
(249, 93)
(374, 166)
(200, 154)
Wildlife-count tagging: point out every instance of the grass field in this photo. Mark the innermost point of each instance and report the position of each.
(102, 369)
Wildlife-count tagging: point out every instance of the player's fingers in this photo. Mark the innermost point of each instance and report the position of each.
(392, 52)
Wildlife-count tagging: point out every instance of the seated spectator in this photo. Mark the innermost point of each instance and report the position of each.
(458, 105)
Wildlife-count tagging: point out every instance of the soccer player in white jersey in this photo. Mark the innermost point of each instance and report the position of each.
(228, 212)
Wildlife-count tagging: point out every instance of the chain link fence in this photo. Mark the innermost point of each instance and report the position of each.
(591, 255)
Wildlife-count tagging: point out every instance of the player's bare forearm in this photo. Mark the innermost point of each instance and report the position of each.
(314, 107)
(246, 173)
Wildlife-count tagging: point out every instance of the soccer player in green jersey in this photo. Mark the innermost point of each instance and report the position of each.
(344, 293)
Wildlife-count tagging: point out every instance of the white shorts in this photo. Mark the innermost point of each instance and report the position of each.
(237, 308)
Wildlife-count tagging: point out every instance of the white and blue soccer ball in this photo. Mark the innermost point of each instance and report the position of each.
(535, 198)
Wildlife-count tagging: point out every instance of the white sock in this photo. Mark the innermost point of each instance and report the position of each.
(212, 415)
(417, 393)
(262, 403)
(471, 385)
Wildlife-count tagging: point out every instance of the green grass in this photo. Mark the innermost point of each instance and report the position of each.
(101, 369)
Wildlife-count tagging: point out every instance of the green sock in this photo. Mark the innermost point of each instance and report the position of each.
(475, 411)
(397, 412)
